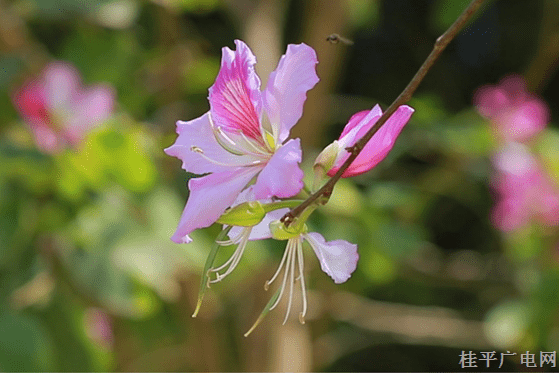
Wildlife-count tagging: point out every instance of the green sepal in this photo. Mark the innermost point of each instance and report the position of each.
(281, 232)
(246, 214)
(204, 281)
(264, 312)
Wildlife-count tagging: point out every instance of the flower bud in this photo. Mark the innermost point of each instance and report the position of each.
(324, 162)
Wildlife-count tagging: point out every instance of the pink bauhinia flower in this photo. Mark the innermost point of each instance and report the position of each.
(516, 114)
(243, 135)
(378, 147)
(59, 111)
(525, 191)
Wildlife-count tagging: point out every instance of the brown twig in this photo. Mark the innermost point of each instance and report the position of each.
(441, 43)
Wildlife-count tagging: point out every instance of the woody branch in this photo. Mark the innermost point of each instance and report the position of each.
(441, 43)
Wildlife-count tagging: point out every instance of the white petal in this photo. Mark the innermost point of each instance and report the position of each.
(337, 258)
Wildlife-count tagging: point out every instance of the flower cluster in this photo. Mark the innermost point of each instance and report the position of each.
(251, 169)
(525, 191)
(515, 114)
(59, 111)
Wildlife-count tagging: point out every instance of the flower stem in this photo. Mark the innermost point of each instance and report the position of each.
(405, 96)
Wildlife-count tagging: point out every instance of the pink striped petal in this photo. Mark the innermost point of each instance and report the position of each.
(287, 88)
(337, 258)
(235, 98)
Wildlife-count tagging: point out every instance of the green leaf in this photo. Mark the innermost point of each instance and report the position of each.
(204, 281)
(468, 135)
(10, 65)
(24, 345)
(548, 149)
(445, 12)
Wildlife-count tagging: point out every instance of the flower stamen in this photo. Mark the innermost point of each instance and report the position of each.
(233, 261)
(292, 259)
(250, 142)
(292, 280)
(269, 282)
(286, 273)
(302, 277)
(200, 151)
(236, 148)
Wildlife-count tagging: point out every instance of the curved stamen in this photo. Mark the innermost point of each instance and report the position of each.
(237, 148)
(289, 255)
(285, 254)
(198, 150)
(223, 140)
(292, 279)
(292, 257)
(302, 277)
(234, 240)
(266, 129)
(250, 143)
(233, 261)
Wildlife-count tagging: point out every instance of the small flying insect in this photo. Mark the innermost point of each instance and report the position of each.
(335, 39)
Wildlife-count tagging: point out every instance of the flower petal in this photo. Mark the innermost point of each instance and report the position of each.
(281, 177)
(62, 82)
(235, 98)
(91, 108)
(490, 100)
(378, 146)
(47, 139)
(355, 121)
(337, 258)
(510, 213)
(30, 102)
(287, 88)
(515, 113)
(514, 159)
(209, 197)
(198, 134)
(522, 122)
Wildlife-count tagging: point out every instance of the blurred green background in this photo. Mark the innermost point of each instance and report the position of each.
(89, 280)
